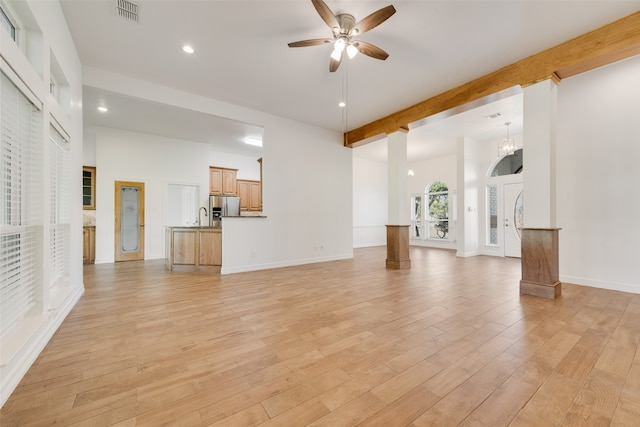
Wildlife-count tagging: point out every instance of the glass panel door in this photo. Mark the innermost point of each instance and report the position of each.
(129, 223)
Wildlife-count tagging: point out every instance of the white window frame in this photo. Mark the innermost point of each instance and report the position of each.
(20, 225)
(7, 19)
(428, 220)
(59, 222)
(15, 21)
(417, 221)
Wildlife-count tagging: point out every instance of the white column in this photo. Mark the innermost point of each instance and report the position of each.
(539, 236)
(539, 154)
(467, 243)
(398, 225)
(398, 201)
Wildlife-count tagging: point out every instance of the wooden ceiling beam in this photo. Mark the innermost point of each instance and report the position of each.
(605, 45)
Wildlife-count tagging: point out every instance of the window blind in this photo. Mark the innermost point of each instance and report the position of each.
(20, 200)
(59, 221)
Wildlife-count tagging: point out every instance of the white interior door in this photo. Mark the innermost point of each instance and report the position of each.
(513, 210)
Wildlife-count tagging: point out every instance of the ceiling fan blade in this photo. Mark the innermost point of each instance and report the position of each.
(326, 14)
(333, 65)
(373, 20)
(371, 50)
(312, 42)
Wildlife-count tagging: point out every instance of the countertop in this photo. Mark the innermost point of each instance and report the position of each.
(196, 227)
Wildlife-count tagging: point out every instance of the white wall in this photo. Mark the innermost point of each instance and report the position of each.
(598, 177)
(33, 70)
(307, 183)
(156, 161)
(426, 172)
(307, 199)
(248, 167)
(370, 198)
(470, 180)
(370, 195)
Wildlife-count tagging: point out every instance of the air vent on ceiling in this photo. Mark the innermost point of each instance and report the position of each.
(128, 9)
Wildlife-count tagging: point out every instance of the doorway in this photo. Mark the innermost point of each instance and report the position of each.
(129, 221)
(513, 219)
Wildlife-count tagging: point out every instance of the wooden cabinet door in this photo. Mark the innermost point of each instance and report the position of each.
(244, 194)
(255, 189)
(184, 247)
(86, 245)
(229, 182)
(210, 247)
(215, 181)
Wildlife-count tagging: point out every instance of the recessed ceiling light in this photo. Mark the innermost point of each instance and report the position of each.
(342, 104)
(187, 48)
(103, 109)
(253, 141)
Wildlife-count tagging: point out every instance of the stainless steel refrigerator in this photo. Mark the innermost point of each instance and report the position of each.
(220, 206)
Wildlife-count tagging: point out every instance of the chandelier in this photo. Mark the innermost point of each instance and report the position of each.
(508, 145)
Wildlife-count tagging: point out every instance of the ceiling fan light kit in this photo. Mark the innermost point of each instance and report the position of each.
(344, 28)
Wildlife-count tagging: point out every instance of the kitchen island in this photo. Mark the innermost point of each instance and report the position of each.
(193, 248)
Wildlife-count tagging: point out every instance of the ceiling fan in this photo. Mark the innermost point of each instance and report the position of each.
(344, 29)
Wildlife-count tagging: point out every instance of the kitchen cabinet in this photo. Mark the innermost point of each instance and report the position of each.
(223, 181)
(184, 246)
(210, 247)
(88, 187)
(250, 193)
(88, 244)
(243, 193)
(255, 199)
(229, 182)
(215, 181)
(193, 248)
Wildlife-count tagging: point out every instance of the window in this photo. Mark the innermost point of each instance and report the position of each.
(416, 231)
(20, 202)
(438, 211)
(59, 231)
(509, 165)
(492, 204)
(7, 24)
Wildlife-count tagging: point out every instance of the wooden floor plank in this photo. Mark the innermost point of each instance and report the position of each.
(449, 341)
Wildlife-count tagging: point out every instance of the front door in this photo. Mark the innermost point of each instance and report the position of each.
(513, 211)
(129, 224)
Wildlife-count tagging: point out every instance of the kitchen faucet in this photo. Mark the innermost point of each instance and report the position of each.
(205, 214)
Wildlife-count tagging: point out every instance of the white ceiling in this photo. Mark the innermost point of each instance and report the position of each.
(241, 56)
(137, 115)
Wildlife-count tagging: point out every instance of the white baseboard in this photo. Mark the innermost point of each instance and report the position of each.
(614, 286)
(291, 263)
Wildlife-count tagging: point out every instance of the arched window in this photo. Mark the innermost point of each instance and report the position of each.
(438, 211)
(509, 165)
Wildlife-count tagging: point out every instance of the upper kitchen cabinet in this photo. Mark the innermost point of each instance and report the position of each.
(88, 187)
(222, 181)
(250, 193)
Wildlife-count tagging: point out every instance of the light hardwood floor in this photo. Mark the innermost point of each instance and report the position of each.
(341, 343)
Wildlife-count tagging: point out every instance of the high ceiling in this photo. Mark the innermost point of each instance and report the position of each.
(241, 54)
